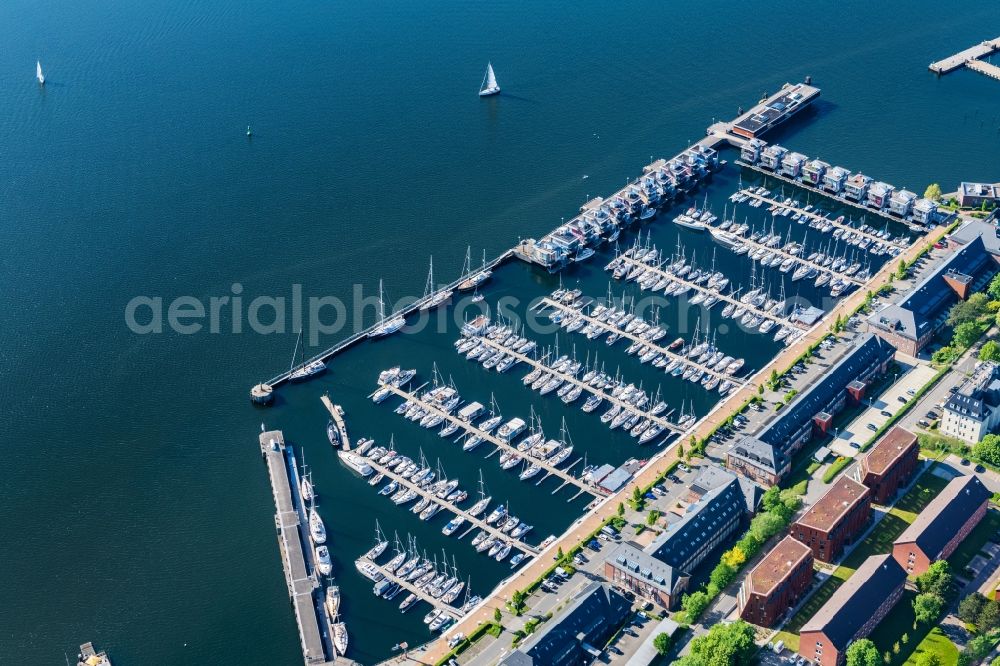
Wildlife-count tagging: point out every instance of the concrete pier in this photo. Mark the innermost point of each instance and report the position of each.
(293, 541)
(953, 62)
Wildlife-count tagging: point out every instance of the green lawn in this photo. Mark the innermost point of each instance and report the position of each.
(937, 643)
(818, 598)
(986, 530)
(923, 491)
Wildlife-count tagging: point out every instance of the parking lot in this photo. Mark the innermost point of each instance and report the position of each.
(847, 441)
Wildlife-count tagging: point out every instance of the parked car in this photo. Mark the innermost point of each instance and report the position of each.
(911, 392)
(684, 468)
(855, 445)
(931, 415)
(980, 469)
(965, 461)
(923, 423)
(885, 412)
(871, 426)
(901, 399)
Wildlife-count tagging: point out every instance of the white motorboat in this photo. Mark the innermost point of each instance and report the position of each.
(317, 530)
(323, 562)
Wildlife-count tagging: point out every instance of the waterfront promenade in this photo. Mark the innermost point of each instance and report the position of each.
(656, 466)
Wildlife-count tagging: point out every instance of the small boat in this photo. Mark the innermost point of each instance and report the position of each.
(332, 433)
(317, 530)
(339, 636)
(386, 326)
(323, 562)
(517, 559)
(407, 603)
(38, 72)
(488, 87)
(307, 489)
(332, 600)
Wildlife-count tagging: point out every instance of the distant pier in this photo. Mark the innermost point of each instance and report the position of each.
(968, 57)
(296, 556)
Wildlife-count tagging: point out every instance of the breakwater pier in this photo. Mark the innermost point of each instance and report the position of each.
(968, 57)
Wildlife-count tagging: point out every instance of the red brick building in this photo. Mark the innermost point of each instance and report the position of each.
(835, 519)
(889, 465)
(853, 611)
(776, 584)
(942, 525)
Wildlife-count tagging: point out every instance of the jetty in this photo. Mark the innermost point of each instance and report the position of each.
(471, 429)
(450, 506)
(587, 388)
(672, 355)
(337, 415)
(296, 555)
(966, 57)
(983, 67)
(409, 586)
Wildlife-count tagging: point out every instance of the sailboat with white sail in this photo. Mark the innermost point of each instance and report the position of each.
(386, 326)
(41, 77)
(489, 85)
(472, 280)
(432, 298)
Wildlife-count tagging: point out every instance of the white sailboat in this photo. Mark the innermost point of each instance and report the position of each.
(489, 85)
(41, 77)
(385, 326)
(432, 297)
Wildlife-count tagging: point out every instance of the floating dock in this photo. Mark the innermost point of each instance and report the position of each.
(973, 53)
(471, 429)
(296, 555)
(481, 524)
(587, 388)
(672, 355)
(337, 415)
(983, 67)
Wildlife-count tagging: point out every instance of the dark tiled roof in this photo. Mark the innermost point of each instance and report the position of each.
(644, 566)
(868, 351)
(941, 520)
(701, 522)
(712, 477)
(778, 564)
(596, 611)
(856, 601)
(915, 315)
(842, 496)
(888, 449)
(759, 453)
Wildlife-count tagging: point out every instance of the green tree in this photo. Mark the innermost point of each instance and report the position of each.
(936, 580)
(969, 607)
(726, 645)
(652, 517)
(896, 648)
(968, 310)
(979, 646)
(988, 617)
(990, 351)
(988, 450)
(927, 607)
(559, 553)
(517, 599)
(901, 270)
(662, 644)
(933, 192)
(765, 525)
(680, 450)
(928, 659)
(887, 657)
(994, 288)
(497, 616)
(722, 575)
(760, 389)
(621, 510)
(905, 638)
(694, 604)
(862, 653)
(966, 334)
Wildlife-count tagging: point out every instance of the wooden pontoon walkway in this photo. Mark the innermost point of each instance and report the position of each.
(566, 377)
(499, 443)
(635, 338)
(823, 218)
(450, 506)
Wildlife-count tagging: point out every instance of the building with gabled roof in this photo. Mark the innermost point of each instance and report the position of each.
(942, 525)
(853, 611)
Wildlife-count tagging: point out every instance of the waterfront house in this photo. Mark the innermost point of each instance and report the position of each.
(835, 178)
(771, 156)
(911, 323)
(856, 187)
(776, 583)
(766, 456)
(879, 194)
(853, 612)
(576, 635)
(791, 164)
(942, 525)
(901, 202)
(925, 211)
(835, 519)
(889, 465)
(974, 195)
(750, 151)
(813, 172)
